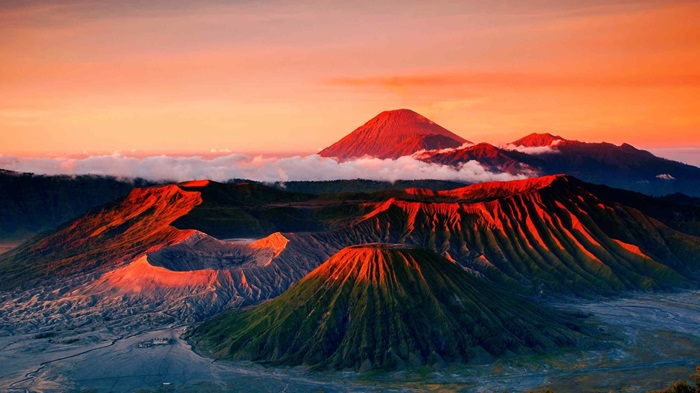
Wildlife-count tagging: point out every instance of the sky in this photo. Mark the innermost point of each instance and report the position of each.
(85, 77)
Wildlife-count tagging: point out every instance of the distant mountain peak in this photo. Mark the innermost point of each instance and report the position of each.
(484, 148)
(393, 134)
(403, 117)
(628, 147)
(539, 140)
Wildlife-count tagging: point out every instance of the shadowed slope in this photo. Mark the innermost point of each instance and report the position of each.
(393, 134)
(247, 210)
(32, 203)
(621, 166)
(383, 306)
(136, 225)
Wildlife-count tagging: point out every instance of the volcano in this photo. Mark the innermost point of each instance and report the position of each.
(383, 306)
(393, 134)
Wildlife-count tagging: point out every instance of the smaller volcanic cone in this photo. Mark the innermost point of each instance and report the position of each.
(382, 306)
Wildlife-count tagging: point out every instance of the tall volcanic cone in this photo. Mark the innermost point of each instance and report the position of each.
(392, 134)
(382, 306)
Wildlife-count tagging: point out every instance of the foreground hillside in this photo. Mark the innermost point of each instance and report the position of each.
(383, 306)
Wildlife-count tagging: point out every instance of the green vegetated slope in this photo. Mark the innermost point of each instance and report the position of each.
(383, 306)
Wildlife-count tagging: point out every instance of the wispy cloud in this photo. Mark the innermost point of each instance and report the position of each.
(260, 168)
(516, 79)
(534, 149)
(422, 154)
(665, 176)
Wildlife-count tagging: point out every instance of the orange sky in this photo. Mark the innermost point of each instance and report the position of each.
(268, 76)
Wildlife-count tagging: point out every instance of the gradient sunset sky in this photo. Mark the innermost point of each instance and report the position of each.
(279, 76)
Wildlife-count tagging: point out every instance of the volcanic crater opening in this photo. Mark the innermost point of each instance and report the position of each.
(201, 251)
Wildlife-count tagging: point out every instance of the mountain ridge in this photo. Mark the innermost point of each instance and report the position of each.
(536, 154)
(547, 237)
(497, 229)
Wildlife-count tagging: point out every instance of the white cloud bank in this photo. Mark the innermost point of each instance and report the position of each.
(421, 154)
(534, 150)
(266, 169)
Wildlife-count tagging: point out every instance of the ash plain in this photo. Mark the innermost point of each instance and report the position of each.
(649, 341)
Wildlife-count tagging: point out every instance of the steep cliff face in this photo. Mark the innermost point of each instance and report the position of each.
(393, 134)
(383, 306)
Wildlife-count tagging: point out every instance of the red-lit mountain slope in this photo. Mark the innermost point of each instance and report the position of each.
(110, 236)
(491, 157)
(129, 258)
(539, 140)
(393, 134)
(546, 234)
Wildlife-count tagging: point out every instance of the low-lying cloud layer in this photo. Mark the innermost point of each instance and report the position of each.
(266, 169)
(533, 150)
(422, 154)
